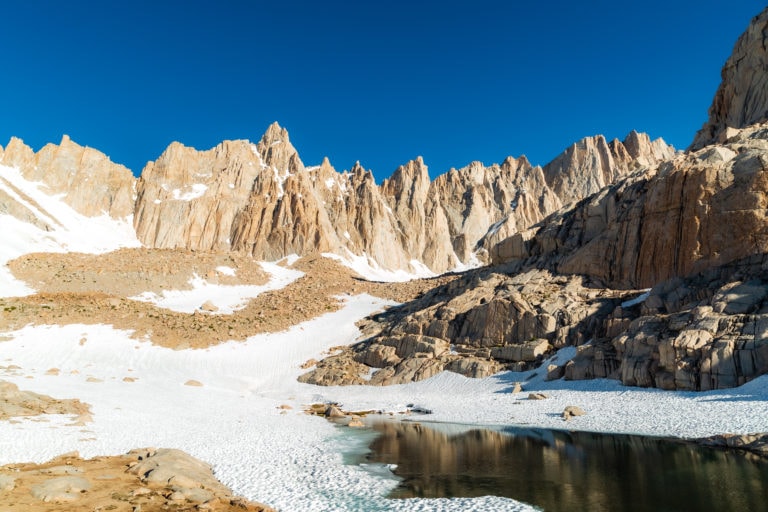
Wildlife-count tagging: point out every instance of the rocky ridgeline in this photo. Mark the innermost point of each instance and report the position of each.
(696, 211)
(260, 199)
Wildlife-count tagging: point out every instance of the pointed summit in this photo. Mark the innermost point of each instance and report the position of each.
(276, 150)
(275, 134)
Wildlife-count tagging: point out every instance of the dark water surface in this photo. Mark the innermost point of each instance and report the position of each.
(569, 471)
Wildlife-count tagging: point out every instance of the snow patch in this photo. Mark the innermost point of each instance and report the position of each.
(369, 269)
(198, 189)
(637, 300)
(227, 271)
(280, 178)
(495, 227)
(472, 262)
(226, 298)
(289, 260)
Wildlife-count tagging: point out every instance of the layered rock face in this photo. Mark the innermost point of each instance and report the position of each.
(260, 199)
(707, 331)
(86, 178)
(742, 98)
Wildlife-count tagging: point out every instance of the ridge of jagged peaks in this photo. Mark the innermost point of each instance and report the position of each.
(742, 97)
(260, 198)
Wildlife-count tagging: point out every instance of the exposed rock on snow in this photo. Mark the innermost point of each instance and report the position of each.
(572, 411)
(16, 403)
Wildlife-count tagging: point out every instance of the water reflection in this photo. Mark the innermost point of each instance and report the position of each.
(567, 471)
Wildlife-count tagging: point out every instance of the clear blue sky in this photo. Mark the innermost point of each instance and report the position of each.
(378, 82)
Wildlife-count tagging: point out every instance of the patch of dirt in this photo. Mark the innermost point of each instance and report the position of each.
(308, 297)
(147, 480)
(129, 272)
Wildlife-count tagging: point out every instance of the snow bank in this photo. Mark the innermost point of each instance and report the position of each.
(196, 190)
(610, 406)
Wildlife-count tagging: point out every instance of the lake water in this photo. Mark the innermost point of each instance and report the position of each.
(568, 471)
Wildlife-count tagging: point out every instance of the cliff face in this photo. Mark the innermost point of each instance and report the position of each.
(698, 210)
(742, 98)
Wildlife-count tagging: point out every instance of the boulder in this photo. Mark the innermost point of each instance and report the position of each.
(572, 411)
(61, 489)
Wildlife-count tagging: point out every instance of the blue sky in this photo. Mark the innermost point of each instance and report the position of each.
(378, 82)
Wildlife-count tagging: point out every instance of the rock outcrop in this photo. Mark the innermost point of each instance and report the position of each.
(484, 322)
(146, 479)
(742, 98)
(17, 403)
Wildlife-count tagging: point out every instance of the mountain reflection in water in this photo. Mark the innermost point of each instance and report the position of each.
(560, 471)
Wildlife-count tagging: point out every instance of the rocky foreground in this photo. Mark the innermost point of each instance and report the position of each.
(142, 480)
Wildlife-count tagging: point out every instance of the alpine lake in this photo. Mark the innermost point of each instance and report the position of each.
(559, 470)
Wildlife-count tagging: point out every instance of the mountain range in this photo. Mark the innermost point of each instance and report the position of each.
(650, 261)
